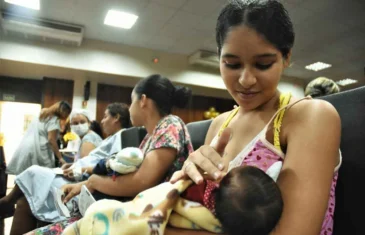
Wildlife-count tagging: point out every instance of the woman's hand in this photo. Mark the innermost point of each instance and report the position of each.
(68, 173)
(71, 190)
(206, 159)
(62, 161)
(66, 166)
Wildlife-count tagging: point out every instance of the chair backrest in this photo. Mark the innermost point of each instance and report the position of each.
(198, 131)
(350, 197)
(132, 137)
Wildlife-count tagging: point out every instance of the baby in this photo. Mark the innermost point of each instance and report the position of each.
(246, 201)
(125, 161)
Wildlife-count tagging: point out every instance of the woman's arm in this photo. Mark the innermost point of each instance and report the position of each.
(86, 148)
(313, 141)
(52, 139)
(154, 167)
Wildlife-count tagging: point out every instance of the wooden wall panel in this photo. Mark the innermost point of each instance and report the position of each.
(55, 90)
(199, 104)
(193, 112)
(108, 94)
(22, 90)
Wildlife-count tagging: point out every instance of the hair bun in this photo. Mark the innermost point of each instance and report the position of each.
(181, 96)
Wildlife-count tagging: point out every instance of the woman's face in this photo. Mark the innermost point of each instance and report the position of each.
(79, 119)
(80, 125)
(108, 123)
(251, 67)
(135, 110)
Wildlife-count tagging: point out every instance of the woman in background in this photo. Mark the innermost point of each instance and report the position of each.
(321, 86)
(39, 144)
(80, 123)
(165, 147)
(32, 193)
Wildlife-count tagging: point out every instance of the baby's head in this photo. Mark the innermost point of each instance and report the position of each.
(248, 202)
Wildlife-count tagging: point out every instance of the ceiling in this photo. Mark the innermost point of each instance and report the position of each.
(331, 31)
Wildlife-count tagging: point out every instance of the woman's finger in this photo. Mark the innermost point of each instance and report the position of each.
(202, 159)
(68, 196)
(194, 174)
(178, 175)
(223, 141)
(209, 152)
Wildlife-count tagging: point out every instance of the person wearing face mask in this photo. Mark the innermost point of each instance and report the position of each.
(80, 121)
(32, 192)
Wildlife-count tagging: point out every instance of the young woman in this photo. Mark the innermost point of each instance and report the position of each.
(255, 40)
(39, 144)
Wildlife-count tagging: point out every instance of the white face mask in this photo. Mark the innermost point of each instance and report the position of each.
(80, 129)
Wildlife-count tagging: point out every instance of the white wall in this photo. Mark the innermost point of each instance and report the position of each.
(116, 59)
(109, 63)
(293, 85)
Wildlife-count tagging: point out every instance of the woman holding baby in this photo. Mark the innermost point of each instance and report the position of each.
(254, 43)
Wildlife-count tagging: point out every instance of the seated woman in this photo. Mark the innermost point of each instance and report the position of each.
(254, 41)
(80, 123)
(32, 190)
(165, 147)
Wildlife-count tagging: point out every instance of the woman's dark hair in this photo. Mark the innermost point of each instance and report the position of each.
(321, 86)
(248, 202)
(61, 107)
(163, 93)
(95, 127)
(121, 111)
(268, 17)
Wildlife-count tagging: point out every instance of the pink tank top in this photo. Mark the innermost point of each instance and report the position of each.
(262, 154)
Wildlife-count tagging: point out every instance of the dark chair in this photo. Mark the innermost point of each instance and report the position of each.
(198, 131)
(132, 137)
(350, 204)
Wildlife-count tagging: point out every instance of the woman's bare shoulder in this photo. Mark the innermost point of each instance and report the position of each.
(215, 126)
(310, 111)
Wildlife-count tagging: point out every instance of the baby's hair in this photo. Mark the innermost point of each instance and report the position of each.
(248, 202)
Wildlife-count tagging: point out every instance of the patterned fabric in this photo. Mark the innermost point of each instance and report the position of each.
(170, 132)
(54, 229)
(147, 214)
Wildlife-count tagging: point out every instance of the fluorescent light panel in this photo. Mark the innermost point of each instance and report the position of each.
(120, 19)
(32, 4)
(346, 82)
(318, 66)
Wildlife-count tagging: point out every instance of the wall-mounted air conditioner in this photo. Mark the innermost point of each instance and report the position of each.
(40, 29)
(204, 58)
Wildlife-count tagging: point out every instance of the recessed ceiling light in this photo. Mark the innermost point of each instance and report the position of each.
(318, 66)
(32, 4)
(346, 81)
(120, 19)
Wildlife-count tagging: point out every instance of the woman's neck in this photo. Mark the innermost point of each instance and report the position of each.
(151, 122)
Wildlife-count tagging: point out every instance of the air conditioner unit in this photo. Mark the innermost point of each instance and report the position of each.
(204, 58)
(39, 29)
